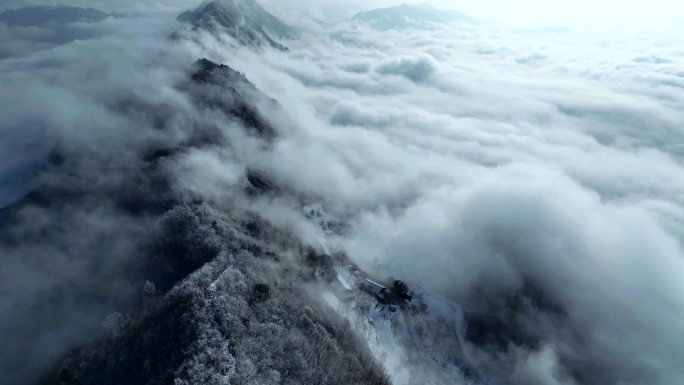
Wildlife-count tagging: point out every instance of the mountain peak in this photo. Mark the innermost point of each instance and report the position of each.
(245, 20)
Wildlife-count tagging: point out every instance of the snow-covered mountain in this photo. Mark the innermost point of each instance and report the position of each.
(226, 300)
(195, 204)
(223, 295)
(246, 316)
(245, 20)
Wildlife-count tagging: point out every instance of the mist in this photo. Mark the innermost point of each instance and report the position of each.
(76, 119)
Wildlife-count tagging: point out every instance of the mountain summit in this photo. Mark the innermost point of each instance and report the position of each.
(245, 20)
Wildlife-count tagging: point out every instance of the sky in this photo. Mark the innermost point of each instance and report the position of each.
(525, 13)
(479, 159)
(585, 13)
(530, 13)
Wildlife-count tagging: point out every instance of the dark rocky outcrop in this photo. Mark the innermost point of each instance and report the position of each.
(228, 90)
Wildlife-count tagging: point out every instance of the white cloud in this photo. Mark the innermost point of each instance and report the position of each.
(527, 13)
(417, 68)
(491, 172)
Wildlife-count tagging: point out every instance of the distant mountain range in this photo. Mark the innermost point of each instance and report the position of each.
(30, 29)
(408, 15)
(50, 15)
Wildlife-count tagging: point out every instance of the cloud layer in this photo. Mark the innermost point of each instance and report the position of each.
(484, 162)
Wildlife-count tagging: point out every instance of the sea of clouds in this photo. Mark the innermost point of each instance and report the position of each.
(474, 160)
(478, 160)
